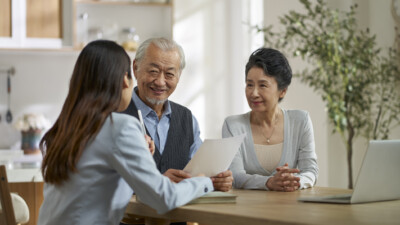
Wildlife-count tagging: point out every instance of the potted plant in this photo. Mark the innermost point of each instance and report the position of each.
(357, 80)
(31, 126)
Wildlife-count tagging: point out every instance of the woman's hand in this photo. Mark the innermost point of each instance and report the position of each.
(150, 143)
(284, 180)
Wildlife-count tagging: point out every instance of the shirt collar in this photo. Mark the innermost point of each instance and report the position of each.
(145, 109)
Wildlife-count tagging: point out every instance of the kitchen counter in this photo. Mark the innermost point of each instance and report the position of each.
(22, 168)
(25, 179)
(24, 175)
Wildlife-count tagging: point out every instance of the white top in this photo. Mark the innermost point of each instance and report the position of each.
(298, 150)
(116, 162)
(269, 155)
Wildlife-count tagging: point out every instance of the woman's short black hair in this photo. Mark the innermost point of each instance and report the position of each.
(274, 64)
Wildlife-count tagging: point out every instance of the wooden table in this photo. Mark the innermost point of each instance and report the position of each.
(267, 207)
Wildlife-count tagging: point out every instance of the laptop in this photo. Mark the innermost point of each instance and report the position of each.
(378, 179)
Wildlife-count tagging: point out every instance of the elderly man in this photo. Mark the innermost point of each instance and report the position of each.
(157, 68)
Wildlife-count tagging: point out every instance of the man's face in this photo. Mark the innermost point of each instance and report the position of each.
(157, 75)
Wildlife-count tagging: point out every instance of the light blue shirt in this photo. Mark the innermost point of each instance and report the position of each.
(158, 128)
(109, 168)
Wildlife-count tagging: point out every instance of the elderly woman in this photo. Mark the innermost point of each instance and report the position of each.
(279, 151)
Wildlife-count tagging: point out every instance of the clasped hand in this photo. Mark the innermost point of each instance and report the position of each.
(284, 180)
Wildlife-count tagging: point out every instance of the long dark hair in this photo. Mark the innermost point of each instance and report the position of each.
(95, 91)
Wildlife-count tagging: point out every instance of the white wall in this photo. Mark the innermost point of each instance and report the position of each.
(40, 85)
(216, 44)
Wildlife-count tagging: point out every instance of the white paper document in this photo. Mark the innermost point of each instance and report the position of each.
(214, 156)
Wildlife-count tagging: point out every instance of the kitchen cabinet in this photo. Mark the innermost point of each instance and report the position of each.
(107, 19)
(43, 19)
(30, 23)
(5, 18)
(59, 24)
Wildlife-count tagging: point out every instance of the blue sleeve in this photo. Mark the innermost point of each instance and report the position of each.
(196, 136)
(135, 164)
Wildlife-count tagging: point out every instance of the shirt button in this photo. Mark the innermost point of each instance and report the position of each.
(206, 189)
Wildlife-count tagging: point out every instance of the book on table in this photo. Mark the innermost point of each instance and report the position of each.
(215, 197)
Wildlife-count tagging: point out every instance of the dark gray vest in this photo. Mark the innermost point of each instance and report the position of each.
(179, 138)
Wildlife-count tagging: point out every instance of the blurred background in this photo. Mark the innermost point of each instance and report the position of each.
(217, 38)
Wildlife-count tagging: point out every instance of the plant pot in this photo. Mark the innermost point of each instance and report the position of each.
(30, 141)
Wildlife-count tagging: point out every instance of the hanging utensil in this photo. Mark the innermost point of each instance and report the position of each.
(8, 114)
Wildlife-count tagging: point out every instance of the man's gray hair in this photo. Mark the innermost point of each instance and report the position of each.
(165, 45)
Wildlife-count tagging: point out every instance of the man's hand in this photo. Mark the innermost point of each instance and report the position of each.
(284, 180)
(223, 181)
(176, 175)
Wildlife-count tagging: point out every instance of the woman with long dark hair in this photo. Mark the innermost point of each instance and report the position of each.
(94, 156)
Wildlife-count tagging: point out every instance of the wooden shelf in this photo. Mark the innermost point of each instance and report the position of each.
(48, 51)
(63, 49)
(118, 2)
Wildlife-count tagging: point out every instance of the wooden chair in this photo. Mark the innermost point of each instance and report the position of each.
(7, 210)
(7, 213)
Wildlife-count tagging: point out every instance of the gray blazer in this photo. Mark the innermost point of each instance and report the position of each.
(113, 164)
(298, 150)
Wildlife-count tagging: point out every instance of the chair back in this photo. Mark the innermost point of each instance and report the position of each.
(7, 216)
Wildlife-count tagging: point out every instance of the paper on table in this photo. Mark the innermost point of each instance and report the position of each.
(214, 156)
